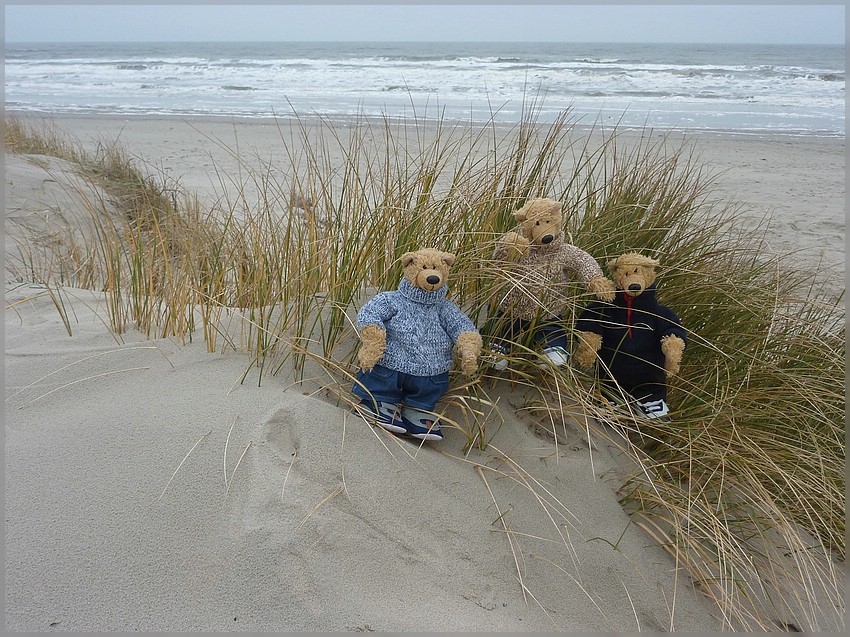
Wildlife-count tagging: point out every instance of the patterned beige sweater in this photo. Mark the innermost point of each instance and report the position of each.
(540, 280)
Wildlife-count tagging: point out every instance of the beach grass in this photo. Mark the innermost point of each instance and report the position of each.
(744, 487)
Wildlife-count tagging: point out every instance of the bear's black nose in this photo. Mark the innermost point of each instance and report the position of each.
(547, 239)
(432, 279)
(634, 287)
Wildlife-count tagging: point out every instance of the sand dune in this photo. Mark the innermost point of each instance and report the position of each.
(148, 489)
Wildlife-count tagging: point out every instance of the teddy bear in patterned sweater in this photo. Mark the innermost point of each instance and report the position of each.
(539, 267)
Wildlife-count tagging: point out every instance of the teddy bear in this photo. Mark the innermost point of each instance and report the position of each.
(637, 340)
(542, 265)
(409, 338)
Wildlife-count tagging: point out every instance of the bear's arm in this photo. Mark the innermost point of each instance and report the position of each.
(377, 311)
(576, 260)
(504, 245)
(454, 321)
(670, 324)
(590, 319)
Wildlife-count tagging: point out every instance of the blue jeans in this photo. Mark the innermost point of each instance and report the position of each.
(389, 386)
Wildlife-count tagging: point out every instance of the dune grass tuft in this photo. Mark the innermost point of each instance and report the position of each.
(744, 486)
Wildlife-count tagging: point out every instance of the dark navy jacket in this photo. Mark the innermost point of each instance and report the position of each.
(631, 330)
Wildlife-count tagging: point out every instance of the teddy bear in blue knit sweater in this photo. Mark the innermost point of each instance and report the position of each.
(408, 338)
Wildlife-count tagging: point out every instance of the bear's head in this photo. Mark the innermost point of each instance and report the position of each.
(633, 272)
(540, 221)
(427, 269)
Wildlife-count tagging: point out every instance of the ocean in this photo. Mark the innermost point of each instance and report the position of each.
(795, 89)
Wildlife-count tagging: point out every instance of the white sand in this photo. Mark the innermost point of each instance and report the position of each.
(289, 514)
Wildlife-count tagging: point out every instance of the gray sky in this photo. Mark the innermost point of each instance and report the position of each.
(751, 23)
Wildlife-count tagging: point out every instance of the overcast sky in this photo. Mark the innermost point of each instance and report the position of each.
(751, 23)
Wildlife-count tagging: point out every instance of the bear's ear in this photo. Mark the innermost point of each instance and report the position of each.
(448, 258)
(612, 265)
(522, 214)
(407, 258)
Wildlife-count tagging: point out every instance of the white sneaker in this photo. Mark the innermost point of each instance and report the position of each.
(497, 360)
(555, 356)
(501, 365)
(654, 409)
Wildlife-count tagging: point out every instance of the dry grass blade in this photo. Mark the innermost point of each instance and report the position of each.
(83, 380)
(508, 534)
(77, 362)
(323, 502)
(286, 477)
(238, 462)
(226, 443)
(188, 453)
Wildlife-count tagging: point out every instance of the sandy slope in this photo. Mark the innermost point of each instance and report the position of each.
(147, 489)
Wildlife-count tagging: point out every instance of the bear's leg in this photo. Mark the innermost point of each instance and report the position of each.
(612, 390)
(421, 394)
(501, 332)
(379, 393)
(651, 398)
(553, 338)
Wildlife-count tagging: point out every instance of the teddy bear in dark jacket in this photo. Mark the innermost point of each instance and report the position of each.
(636, 340)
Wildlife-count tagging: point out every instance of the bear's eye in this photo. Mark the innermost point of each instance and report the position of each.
(536, 223)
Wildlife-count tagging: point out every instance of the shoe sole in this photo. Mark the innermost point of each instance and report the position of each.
(428, 436)
(374, 420)
(393, 428)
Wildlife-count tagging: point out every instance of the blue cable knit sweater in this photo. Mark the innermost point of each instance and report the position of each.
(421, 328)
